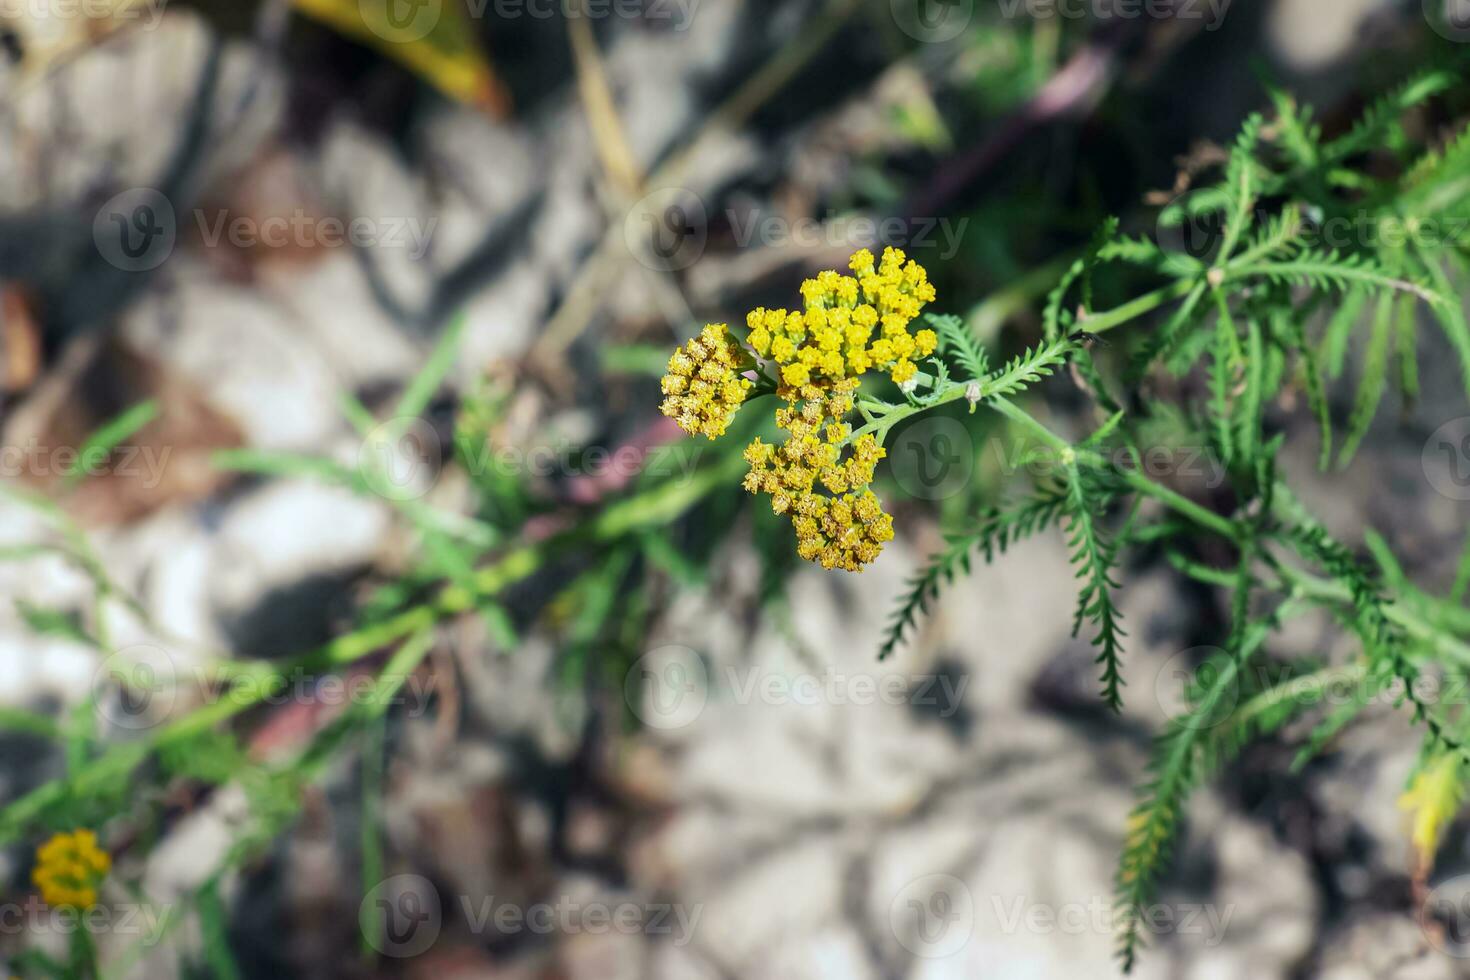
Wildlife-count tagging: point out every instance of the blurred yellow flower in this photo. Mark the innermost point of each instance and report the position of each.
(69, 867)
(1432, 800)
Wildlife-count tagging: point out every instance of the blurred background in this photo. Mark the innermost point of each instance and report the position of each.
(354, 299)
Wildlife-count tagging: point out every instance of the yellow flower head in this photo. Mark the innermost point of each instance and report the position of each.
(847, 529)
(69, 867)
(844, 532)
(833, 337)
(704, 389)
(820, 475)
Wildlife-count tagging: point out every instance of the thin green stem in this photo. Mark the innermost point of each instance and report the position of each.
(1143, 305)
(1175, 501)
(1324, 591)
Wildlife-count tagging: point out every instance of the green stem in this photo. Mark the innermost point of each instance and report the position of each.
(1175, 501)
(1182, 505)
(955, 390)
(1323, 590)
(1130, 311)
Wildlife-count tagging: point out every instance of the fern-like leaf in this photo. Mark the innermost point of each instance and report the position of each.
(1340, 330)
(1333, 270)
(1177, 766)
(1094, 556)
(1450, 161)
(1029, 368)
(958, 342)
(1250, 406)
(1224, 365)
(1451, 316)
(1375, 379)
(997, 530)
(1137, 251)
(1383, 641)
(1081, 270)
(1311, 373)
(1165, 341)
(1382, 116)
(1240, 184)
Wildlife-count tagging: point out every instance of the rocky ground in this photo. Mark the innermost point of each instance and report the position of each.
(789, 808)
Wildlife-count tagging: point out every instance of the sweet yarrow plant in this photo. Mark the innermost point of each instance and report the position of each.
(1255, 310)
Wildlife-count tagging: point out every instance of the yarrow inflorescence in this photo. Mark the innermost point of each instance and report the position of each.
(833, 339)
(820, 475)
(703, 389)
(69, 867)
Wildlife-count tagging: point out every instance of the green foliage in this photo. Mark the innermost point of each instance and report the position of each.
(959, 344)
(997, 529)
(1266, 303)
(1095, 557)
(1184, 751)
(1218, 335)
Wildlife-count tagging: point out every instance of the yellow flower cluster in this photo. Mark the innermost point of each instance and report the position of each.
(69, 867)
(833, 338)
(819, 475)
(848, 529)
(703, 389)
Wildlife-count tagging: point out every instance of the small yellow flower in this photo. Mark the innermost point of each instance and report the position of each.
(796, 375)
(704, 389)
(69, 867)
